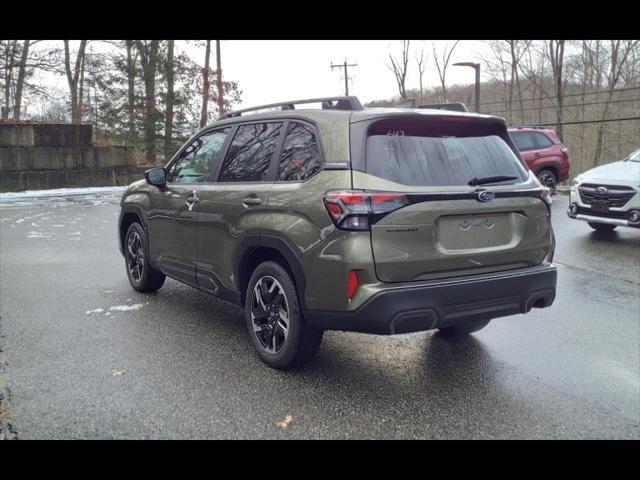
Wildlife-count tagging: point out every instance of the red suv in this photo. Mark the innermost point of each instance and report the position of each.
(544, 154)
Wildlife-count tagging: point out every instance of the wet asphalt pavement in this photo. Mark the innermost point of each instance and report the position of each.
(189, 371)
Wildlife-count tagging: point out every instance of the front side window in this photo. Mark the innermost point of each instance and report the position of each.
(523, 140)
(250, 153)
(199, 160)
(300, 157)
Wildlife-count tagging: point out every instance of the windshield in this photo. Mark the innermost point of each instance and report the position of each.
(441, 161)
(635, 156)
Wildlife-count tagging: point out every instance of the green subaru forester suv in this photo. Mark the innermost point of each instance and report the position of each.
(385, 221)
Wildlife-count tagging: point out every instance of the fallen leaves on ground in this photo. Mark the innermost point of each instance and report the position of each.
(117, 373)
(286, 422)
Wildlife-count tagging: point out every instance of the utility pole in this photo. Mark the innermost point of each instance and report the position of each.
(346, 66)
(219, 79)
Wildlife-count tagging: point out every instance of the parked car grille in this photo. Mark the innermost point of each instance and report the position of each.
(616, 195)
(609, 214)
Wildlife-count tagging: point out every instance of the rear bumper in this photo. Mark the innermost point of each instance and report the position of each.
(414, 308)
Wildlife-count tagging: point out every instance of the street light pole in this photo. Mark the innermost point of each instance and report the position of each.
(475, 66)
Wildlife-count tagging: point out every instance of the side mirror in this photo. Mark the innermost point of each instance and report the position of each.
(156, 177)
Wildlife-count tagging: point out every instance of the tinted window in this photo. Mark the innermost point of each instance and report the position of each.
(523, 141)
(300, 157)
(542, 141)
(439, 161)
(198, 161)
(250, 153)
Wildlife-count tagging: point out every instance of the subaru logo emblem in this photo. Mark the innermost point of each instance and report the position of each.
(486, 196)
(602, 190)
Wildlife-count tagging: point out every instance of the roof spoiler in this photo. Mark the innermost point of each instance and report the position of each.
(455, 106)
(328, 103)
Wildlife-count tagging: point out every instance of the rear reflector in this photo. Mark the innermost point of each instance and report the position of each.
(354, 282)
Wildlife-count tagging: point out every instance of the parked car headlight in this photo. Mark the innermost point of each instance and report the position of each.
(576, 182)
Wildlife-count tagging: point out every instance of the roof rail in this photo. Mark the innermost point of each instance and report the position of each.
(455, 106)
(341, 103)
(539, 127)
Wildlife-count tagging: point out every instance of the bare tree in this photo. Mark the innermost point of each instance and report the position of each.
(399, 68)
(620, 51)
(206, 85)
(555, 53)
(422, 66)
(148, 51)
(442, 63)
(73, 78)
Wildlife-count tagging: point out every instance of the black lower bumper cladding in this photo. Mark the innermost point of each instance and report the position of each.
(415, 308)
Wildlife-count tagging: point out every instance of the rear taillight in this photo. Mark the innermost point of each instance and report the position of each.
(565, 151)
(358, 210)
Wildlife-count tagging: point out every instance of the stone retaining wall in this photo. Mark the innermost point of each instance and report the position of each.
(44, 156)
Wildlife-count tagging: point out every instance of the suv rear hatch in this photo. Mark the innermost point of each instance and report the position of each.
(439, 225)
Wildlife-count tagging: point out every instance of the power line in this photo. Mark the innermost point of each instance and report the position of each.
(578, 122)
(567, 95)
(516, 109)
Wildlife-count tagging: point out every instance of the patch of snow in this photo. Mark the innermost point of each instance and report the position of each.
(95, 310)
(59, 192)
(39, 235)
(20, 220)
(57, 226)
(34, 224)
(125, 308)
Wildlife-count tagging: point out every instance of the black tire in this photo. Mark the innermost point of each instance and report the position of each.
(299, 343)
(548, 178)
(602, 227)
(465, 328)
(143, 277)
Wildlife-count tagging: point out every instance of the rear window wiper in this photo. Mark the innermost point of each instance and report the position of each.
(496, 178)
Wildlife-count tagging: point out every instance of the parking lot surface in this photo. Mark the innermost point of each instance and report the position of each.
(88, 357)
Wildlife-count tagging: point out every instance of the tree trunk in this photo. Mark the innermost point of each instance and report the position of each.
(8, 78)
(20, 82)
(149, 59)
(219, 79)
(168, 118)
(204, 114)
(131, 92)
(73, 77)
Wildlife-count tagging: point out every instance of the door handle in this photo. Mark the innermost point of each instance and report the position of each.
(252, 199)
(192, 199)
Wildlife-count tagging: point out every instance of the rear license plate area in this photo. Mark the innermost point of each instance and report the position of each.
(475, 232)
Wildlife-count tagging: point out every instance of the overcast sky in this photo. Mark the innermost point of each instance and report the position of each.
(269, 71)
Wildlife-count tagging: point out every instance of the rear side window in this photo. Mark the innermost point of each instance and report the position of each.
(523, 140)
(300, 157)
(250, 153)
(542, 141)
(439, 160)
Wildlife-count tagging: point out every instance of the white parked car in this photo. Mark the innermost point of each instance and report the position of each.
(608, 196)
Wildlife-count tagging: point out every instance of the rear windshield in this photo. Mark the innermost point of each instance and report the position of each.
(440, 160)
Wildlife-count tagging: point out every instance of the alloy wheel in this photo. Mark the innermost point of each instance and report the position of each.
(548, 179)
(270, 314)
(135, 256)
